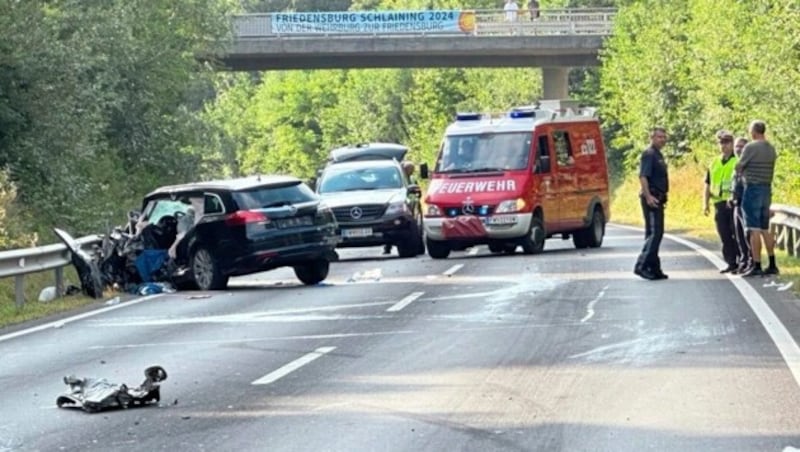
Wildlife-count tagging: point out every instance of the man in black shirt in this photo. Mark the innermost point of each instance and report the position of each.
(654, 180)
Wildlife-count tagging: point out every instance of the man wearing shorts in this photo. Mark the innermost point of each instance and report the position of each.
(757, 167)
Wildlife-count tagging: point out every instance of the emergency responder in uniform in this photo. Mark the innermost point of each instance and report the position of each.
(718, 184)
(654, 180)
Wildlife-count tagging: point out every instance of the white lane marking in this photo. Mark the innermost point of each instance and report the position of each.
(777, 331)
(292, 366)
(472, 251)
(452, 270)
(62, 322)
(590, 307)
(405, 302)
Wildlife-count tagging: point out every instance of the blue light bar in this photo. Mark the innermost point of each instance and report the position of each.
(468, 116)
(522, 114)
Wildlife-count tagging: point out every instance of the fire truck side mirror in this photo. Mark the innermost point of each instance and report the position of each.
(423, 171)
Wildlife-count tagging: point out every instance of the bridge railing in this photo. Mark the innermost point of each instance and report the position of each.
(490, 22)
(594, 21)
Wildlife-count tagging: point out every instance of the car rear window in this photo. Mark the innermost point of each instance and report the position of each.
(274, 196)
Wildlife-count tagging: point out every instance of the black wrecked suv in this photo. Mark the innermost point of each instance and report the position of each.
(240, 226)
(374, 201)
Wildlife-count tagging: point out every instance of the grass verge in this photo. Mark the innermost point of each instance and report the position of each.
(33, 309)
(684, 214)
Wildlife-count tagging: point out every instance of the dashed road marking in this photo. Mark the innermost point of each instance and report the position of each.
(405, 302)
(452, 270)
(292, 366)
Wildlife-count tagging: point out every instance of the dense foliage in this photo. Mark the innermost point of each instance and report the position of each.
(699, 66)
(103, 100)
(96, 102)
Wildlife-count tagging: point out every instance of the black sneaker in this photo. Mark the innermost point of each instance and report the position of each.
(771, 271)
(729, 269)
(753, 271)
(661, 275)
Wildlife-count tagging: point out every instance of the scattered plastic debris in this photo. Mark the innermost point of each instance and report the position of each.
(97, 394)
(113, 301)
(152, 288)
(47, 294)
(371, 275)
(786, 286)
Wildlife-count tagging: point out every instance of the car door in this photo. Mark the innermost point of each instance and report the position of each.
(545, 182)
(567, 176)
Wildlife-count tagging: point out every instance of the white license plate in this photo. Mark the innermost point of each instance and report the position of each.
(356, 233)
(500, 220)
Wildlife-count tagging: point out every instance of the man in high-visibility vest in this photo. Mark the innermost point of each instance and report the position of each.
(718, 183)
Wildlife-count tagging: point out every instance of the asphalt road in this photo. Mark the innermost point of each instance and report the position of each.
(567, 350)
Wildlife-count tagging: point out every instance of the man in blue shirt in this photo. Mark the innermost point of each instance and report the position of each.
(654, 181)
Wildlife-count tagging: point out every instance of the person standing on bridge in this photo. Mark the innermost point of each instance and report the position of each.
(757, 166)
(718, 184)
(654, 181)
(743, 256)
(533, 9)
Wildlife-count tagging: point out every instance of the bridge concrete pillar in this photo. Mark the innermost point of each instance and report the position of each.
(555, 83)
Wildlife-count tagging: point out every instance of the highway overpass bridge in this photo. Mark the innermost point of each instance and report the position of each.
(556, 41)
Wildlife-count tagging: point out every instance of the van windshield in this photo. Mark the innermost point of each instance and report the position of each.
(485, 152)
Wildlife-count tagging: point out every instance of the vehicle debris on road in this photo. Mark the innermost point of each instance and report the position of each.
(97, 394)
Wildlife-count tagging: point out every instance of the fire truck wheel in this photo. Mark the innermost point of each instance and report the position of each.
(597, 229)
(533, 243)
(436, 249)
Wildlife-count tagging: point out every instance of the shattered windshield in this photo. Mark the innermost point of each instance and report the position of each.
(160, 208)
(485, 152)
(274, 196)
(337, 179)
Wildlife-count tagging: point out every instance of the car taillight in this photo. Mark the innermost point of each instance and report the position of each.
(243, 217)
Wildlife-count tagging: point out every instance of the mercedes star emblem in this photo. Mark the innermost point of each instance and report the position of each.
(469, 206)
(356, 212)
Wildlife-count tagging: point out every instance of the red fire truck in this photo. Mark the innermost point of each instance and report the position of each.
(517, 179)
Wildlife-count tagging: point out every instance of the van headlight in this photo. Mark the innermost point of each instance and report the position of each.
(434, 211)
(397, 208)
(511, 206)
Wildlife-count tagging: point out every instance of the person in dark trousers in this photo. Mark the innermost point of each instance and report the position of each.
(743, 257)
(718, 184)
(757, 166)
(654, 180)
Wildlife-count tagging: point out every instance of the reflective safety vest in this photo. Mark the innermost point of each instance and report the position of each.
(721, 175)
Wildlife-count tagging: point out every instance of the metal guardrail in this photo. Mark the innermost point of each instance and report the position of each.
(493, 22)
(21, 262)
(785, 224)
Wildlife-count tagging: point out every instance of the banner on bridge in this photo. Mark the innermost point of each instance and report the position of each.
(373, 22)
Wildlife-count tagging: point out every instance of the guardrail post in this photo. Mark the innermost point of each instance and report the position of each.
(791, 237)
(60, 282)
(19, 290)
